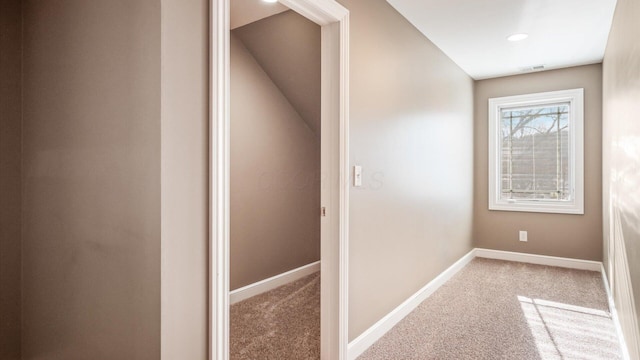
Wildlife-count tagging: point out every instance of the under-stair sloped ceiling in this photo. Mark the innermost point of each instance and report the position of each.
(287, 47)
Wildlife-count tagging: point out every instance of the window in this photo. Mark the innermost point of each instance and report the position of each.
(536, 152)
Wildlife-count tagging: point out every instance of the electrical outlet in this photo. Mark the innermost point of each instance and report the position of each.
(523, 236)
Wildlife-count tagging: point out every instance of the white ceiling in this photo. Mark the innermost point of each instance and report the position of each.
(244, 12)
(473, 33)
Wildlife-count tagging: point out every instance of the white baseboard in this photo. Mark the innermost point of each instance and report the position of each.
(271, 283)
(375, 332)
(614, 316)
(539, 259)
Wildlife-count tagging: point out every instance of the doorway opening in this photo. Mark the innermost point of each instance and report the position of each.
(274, 183)
(334, 174)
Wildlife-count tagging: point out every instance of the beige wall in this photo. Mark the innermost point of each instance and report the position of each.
(287, 47)
(621, 167)
(10, 173)
(573, 236)
(91, 162)
(185, 196)
(412, 218)
(275, 166)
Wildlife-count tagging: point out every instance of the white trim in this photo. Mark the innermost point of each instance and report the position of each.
(334, 20)
(539, 259)
(345, 171)
(360, 344)
(219, 180)
(273, 282)
(575, 97)
(321, 12)
(614, 315)
(622, 289)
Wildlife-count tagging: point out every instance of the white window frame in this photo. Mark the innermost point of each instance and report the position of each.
(575, 98)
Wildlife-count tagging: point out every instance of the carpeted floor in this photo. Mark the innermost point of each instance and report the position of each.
(490, 310)
(505, 310)
(283, 323)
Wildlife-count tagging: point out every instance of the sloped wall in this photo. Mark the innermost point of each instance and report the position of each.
(287, 47)
(275, 173)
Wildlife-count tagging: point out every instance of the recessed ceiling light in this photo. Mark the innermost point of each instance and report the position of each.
(518, 37)
(270, 1)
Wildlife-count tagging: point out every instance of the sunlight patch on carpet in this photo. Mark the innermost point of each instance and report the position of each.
(565, 331)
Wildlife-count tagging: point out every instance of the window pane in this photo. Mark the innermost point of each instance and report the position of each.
(535, 152)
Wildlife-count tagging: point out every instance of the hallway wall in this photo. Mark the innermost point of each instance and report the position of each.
(412, 218)
(572, 236)
(275, 173)
(621, 168)
(10, 177)
(91, 157)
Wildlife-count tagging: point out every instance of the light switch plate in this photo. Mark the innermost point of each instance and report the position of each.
(357, 176)
(523, 236)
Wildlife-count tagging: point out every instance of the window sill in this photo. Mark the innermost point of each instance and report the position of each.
(538, 207)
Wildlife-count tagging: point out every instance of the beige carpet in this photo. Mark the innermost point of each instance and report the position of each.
(283, 323)
(504, 310)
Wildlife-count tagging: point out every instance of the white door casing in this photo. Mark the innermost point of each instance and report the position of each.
(334, 21)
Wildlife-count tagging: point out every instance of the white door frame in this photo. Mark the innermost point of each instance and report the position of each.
(334, 21)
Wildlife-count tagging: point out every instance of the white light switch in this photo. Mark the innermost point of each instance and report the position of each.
(357, 176)
(523, 236)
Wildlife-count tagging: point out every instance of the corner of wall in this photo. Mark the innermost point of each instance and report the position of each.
(184, 174)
